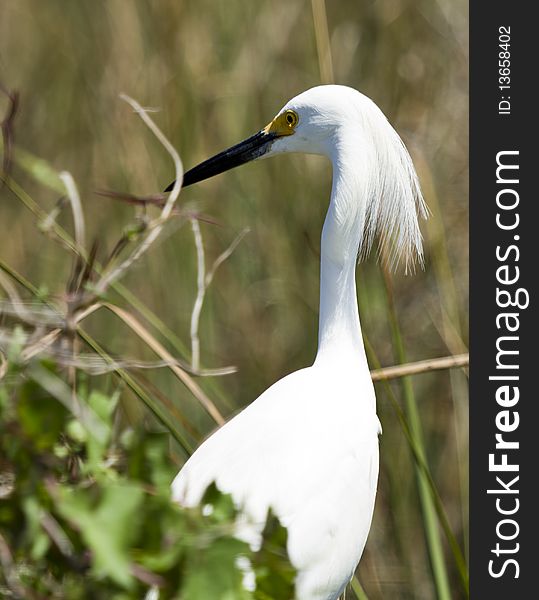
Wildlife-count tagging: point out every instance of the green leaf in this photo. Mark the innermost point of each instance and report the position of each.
(211, 572)
(42, 418)
(16, 344)
(275, 575)
(161, 468)
(108, 526)
(39, 169)
(103, 406)
(223, 509)
(40, 542)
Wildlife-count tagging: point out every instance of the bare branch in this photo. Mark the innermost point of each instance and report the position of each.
(422, 366)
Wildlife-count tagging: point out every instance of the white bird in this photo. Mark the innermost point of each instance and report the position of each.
(308, 446)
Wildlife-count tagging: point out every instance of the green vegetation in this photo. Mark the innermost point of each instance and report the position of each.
(85, 508)
(98, 414)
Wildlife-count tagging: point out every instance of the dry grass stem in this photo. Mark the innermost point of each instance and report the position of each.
(76, 208)
(163, 353)
(178, 166)
(225, 255)
(35, 313)
(17, 305)
(323, 45)
(199, 300)
(10, 571)
(203, 282)
(3, 365)
(156, 226)
(41, 345)
(56, 533)
(6, 127)
(50, 219)
(58, 388)
(422, 366)
(97, 365)
(449, 333)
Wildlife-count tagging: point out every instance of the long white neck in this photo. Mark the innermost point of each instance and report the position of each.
(339, 336)
(375, 193)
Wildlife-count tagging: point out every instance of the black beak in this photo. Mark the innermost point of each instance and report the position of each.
(250, 149)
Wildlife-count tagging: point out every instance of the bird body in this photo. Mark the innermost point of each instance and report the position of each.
(308, 446)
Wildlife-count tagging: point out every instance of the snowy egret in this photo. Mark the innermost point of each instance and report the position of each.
(308, 446)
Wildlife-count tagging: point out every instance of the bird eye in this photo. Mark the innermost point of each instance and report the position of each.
(291, 118)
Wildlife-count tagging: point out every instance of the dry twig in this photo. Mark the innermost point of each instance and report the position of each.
(422, 366)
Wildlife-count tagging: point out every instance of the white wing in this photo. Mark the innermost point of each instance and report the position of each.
(307, 448)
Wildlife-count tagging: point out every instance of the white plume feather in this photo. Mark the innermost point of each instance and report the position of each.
(393, 195)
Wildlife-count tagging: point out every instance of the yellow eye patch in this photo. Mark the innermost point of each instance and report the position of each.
(283, 124)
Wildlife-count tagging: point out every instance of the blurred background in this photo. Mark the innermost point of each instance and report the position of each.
(216, 71)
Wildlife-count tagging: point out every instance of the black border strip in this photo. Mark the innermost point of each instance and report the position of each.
(492, 132)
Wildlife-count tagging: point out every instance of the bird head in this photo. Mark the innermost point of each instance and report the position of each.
(306, 124)
(346, 126)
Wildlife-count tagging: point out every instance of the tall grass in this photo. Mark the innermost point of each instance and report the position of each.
(218, 71)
